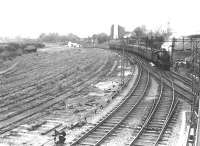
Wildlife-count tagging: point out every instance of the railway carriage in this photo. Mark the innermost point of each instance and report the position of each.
(160, 57)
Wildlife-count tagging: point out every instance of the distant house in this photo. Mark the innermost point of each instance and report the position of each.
(73, 45)
(30, 49)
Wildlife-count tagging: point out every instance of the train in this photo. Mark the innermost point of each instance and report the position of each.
(160, 56)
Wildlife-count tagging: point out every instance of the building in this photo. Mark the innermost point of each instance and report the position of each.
(72, 45)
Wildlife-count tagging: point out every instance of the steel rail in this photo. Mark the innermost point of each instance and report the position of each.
(186, 80)
(171, 111)
(9, 69)
(149, 116)
(112, 112)
(173, 105)
(131, 110)
(88, 130)
(34, 110)
(185, 94)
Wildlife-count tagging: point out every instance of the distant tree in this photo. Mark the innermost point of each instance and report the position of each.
(152, 39)
(42, 35)
(140, 31)
(73, 37)
(55, 37)
(101, 38)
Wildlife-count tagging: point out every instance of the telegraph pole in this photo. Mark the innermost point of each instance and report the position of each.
(172, 52)
(122, 62)
(197, 140)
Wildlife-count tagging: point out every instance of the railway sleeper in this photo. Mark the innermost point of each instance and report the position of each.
(155, 125)
(140, 89)
(158, 120)
(151, 129)
(91, 139)
(158, 124)
(100, 132)
(86, 143)
(165, 139)
(93, 136)
(163, 112)
(143, 143)
(148, 137)
(136, 94)
(121, 127)
(107, 128)
(110, 124)
(116, 118)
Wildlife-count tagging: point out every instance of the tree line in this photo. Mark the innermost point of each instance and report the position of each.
(138, 32)
(55, 37)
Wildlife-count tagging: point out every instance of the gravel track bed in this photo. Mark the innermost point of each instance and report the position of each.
(37, 76)
(126, 130)
(48, 89)
(76, 84)
(172, 131)
(42, 98)
(36, 108)
(42, 108)
(113, 118)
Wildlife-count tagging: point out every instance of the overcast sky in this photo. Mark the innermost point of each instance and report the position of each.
(29, 18)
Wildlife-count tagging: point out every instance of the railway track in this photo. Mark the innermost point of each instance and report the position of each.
(154, 124)
(184, 93)
(151, 130)
(33, 69)
(158, 119)
(112, 96)
(11, 121)
(19, 116)
(48, 76)
(183, 79)
(33, 91)
(33, 97)
(107, 125)
(155, 121)
(10, 69)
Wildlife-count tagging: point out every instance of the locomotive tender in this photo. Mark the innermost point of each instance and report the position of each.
(160, 57)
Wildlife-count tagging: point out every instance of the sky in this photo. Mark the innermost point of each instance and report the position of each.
(30, 18)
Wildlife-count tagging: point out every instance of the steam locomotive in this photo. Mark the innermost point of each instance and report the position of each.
(158, 55)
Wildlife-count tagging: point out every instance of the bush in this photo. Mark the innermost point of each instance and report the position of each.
(11, 50)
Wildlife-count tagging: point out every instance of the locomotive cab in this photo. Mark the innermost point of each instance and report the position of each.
(162, 59)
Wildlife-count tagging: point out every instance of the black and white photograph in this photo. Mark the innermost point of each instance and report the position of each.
(99, 73)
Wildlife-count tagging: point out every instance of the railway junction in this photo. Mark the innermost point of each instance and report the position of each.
(113, 98)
